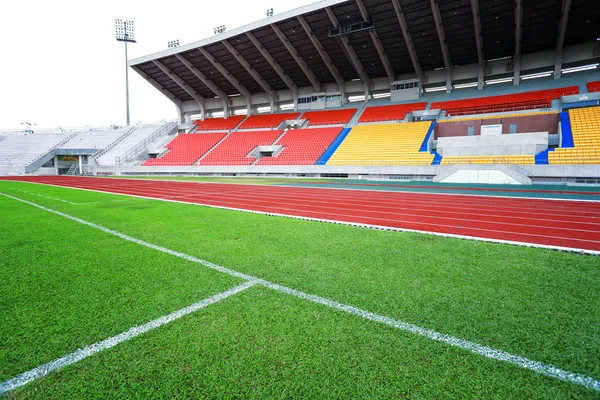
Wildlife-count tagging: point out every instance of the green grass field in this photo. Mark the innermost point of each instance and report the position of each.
(67, 285)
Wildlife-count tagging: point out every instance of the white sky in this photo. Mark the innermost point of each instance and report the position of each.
(61, 65)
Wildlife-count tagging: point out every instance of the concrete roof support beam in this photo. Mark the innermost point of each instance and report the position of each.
(562, 30)
(259, 79)
(326, 59)
(284, 77)
(377, 43)
(478, 42)
(352, 57)
(241, 88)
(296, 56)
(160, 88)
(437, 16)
(210, 84)
(518, 33)
(409, 42)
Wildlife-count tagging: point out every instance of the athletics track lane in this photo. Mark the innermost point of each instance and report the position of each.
(557, 223)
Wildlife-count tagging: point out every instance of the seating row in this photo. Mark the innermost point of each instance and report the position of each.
(593, 86)
(395, 112)
(510, 102)
(302, 146)
(185, 149)
(219, 124)
(329, 117)
(384, 144)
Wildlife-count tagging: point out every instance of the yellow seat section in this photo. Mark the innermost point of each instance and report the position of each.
(521, 160)
(585, 126)
(498, 116)
(384, 144)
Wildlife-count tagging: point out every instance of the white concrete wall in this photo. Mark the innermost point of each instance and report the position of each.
(493, 145)
(481, 176)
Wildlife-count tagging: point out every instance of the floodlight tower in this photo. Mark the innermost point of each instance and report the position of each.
(125, 33)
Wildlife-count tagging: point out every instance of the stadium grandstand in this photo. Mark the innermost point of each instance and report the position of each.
(357, 199)
(342, 87)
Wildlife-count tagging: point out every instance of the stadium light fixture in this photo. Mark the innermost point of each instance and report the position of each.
(435, 89)
(173, 43)
(499, 80)
(269, 12)
(29, 125)
(219, 29)
(580, 68)
(125, 33)
(537, 75)
(465, 85)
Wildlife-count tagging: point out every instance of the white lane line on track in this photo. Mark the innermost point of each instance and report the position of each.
(374, 189)
(489, 352)
(332, 221)
(233, 205)
(78, 355)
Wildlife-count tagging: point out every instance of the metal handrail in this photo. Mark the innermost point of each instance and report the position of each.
(113, 144)
(137, 149)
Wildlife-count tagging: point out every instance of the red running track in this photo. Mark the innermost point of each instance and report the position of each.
(555, 223)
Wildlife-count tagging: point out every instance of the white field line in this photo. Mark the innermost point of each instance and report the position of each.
(489, 352)
(78, 355)
(337, 222)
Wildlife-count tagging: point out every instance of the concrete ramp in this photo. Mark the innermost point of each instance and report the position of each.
(491, 174)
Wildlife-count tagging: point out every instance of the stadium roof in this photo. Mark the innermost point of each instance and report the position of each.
(296, 49)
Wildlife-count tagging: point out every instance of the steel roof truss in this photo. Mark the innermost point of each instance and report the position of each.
(380, 50)
(259, 79)
(296, 56)
(284, 77)
(352, 57)
(518, 35)
(159, 87)
(562, 30)
(229, 76)
(326, 59)
(478, 41)
(442, 37)
(210, 84)
(409, 42)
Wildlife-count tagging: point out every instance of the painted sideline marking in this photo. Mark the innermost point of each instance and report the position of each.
(80, 354)
(489, 352)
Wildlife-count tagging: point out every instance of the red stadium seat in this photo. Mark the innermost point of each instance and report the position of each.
(185, 149)
(265, 121)
(511, 102)
(389, 113)
(219, 124)
(593, 86)
(302, 146)
(329, 117)
(235, 148)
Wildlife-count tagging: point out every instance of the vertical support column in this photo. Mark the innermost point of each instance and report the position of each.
(518, 32)
(56, 165)
(80, 165)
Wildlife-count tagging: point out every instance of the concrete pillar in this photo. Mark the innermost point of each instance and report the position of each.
(80, 165)
(55, 165)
